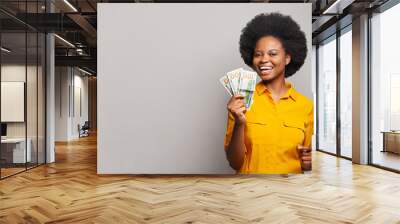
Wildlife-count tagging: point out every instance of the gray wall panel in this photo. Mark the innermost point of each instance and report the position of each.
(161, 108)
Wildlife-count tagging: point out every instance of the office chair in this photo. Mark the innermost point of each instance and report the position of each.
(84, 130)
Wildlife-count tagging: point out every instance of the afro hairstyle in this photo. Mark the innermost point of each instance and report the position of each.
(281, 27)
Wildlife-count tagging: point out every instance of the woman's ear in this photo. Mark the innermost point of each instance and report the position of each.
(288, 58)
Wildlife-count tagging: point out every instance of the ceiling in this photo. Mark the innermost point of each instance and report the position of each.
(76, 22)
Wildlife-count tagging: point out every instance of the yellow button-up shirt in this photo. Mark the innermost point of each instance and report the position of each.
(274, 130)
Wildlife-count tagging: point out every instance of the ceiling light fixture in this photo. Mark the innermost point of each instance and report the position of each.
(329, 9)
(64, 40)
(5, 50)
(337, 7)
(70, 5)
(79, 51)
(84, 71)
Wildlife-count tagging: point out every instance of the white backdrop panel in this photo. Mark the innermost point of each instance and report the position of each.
(12, 101)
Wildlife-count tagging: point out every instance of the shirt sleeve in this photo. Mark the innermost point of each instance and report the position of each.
(229, 130)
(309, 127)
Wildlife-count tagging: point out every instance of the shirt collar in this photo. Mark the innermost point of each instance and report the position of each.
(260, 88)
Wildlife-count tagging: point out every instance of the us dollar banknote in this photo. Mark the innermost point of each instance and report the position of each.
(240, 81)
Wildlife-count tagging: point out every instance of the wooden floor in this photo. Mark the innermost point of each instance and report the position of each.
(9, 171)
(387, 159)
(70, 191)
(5, 172)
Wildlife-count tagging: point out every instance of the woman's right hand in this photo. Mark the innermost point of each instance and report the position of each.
(237, 108)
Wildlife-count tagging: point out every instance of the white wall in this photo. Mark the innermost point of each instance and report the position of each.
(161, 108)
(33, 127)
(61, 103)
(67, 117)
(17, 73)
(12, 101)
(11, 73)
(79, 117)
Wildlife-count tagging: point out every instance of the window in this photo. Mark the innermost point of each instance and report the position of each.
(346, 92)
(385, 89)
(22, 77)
(327, 96)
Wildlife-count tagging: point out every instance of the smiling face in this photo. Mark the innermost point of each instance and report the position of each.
(270, 58)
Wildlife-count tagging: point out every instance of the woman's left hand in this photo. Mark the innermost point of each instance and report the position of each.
(305, 157)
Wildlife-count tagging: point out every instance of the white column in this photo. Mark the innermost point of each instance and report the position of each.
(50, 92)
(63, 101)
(50, 100)
(360, 90)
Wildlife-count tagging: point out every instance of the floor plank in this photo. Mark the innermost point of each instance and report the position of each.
(70, 191)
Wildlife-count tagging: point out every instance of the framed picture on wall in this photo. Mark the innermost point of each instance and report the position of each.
(12, 101)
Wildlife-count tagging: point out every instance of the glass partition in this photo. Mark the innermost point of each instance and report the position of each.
(346, 93)
(385, 89)
(327, 95)
(31, 100)
(13, 94)
(41, 91)
(22, 77)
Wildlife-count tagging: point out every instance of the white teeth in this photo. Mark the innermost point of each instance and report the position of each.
(266, 67)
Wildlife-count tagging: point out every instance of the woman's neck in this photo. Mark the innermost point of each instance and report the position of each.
(276, 87)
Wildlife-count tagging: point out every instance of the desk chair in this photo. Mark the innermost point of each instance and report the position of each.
(84, 130)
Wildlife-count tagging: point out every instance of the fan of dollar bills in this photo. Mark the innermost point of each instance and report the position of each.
(240, 81)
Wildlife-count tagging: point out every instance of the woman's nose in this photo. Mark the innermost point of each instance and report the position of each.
(265, 58)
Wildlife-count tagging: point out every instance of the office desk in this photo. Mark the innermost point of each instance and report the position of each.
(391, 141)
(13, 150)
